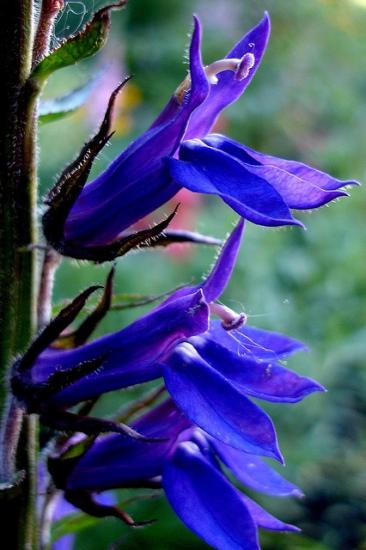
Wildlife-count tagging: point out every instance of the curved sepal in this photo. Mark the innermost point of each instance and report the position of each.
(87, 327)
(87, 502)
(69, 422)
(51, 332)
(146, 238)
(172, 236)
(63, 195)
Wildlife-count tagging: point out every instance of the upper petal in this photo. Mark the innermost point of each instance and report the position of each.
(215, 283)
(203, 169)
(218, 278)
(136, 182)
(206, 502)
(199, 85)
(228, 89)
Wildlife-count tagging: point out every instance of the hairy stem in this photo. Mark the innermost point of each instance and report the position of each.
(51, 262)
(17, 264)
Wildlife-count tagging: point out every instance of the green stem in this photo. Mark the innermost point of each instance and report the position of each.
(17, 184)
(17, 261)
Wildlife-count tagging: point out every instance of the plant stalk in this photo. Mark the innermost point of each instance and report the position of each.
(18, 189)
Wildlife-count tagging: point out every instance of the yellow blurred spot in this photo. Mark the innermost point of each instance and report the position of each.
(127, 101)
(361, 3)
(123, 124)
(132, 96)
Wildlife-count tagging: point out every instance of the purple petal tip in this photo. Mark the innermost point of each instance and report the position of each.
(265, 22)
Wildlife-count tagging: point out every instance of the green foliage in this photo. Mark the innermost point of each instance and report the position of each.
(51, 110)
(72, 523)
(81, 45)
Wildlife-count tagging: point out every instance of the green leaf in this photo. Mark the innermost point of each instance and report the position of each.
(60, 107)
(72, 524)
(79, 46)
(79, 448)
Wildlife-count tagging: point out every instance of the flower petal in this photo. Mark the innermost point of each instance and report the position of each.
(137, 182)
(254, 472)
(299, 169)
(216, 406)
(264, 519)
(130, 355)
(262, 379)
(203, 169)
(228, 89)
(216, 281)
(255, 342)
(300, 186)
(199, 84)
(206, 502)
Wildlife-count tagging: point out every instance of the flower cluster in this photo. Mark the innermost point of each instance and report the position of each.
(211, 363)
(259, 187)
(188, 466)
(211, 367)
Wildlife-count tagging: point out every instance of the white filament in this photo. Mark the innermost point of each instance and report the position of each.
(230, 319)
(241, 68)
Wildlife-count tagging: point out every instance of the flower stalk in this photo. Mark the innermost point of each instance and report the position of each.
(18, 195)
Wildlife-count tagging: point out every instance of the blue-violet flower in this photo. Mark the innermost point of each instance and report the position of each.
(188, 465)
(148, 173)
(210, 366)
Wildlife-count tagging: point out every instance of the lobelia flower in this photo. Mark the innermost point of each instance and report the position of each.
(259, 187)
(209, 366)
(187, 463)
(147, 174)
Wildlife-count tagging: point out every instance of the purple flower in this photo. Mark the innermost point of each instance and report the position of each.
(147, 174)
(188, 465)
(138, 181)
(211, 367)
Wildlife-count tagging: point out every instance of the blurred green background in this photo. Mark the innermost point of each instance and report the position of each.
(307, 102)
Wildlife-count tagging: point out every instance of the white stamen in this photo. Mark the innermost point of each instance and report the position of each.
(219, 66)
(230, 319)
(241, 68)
